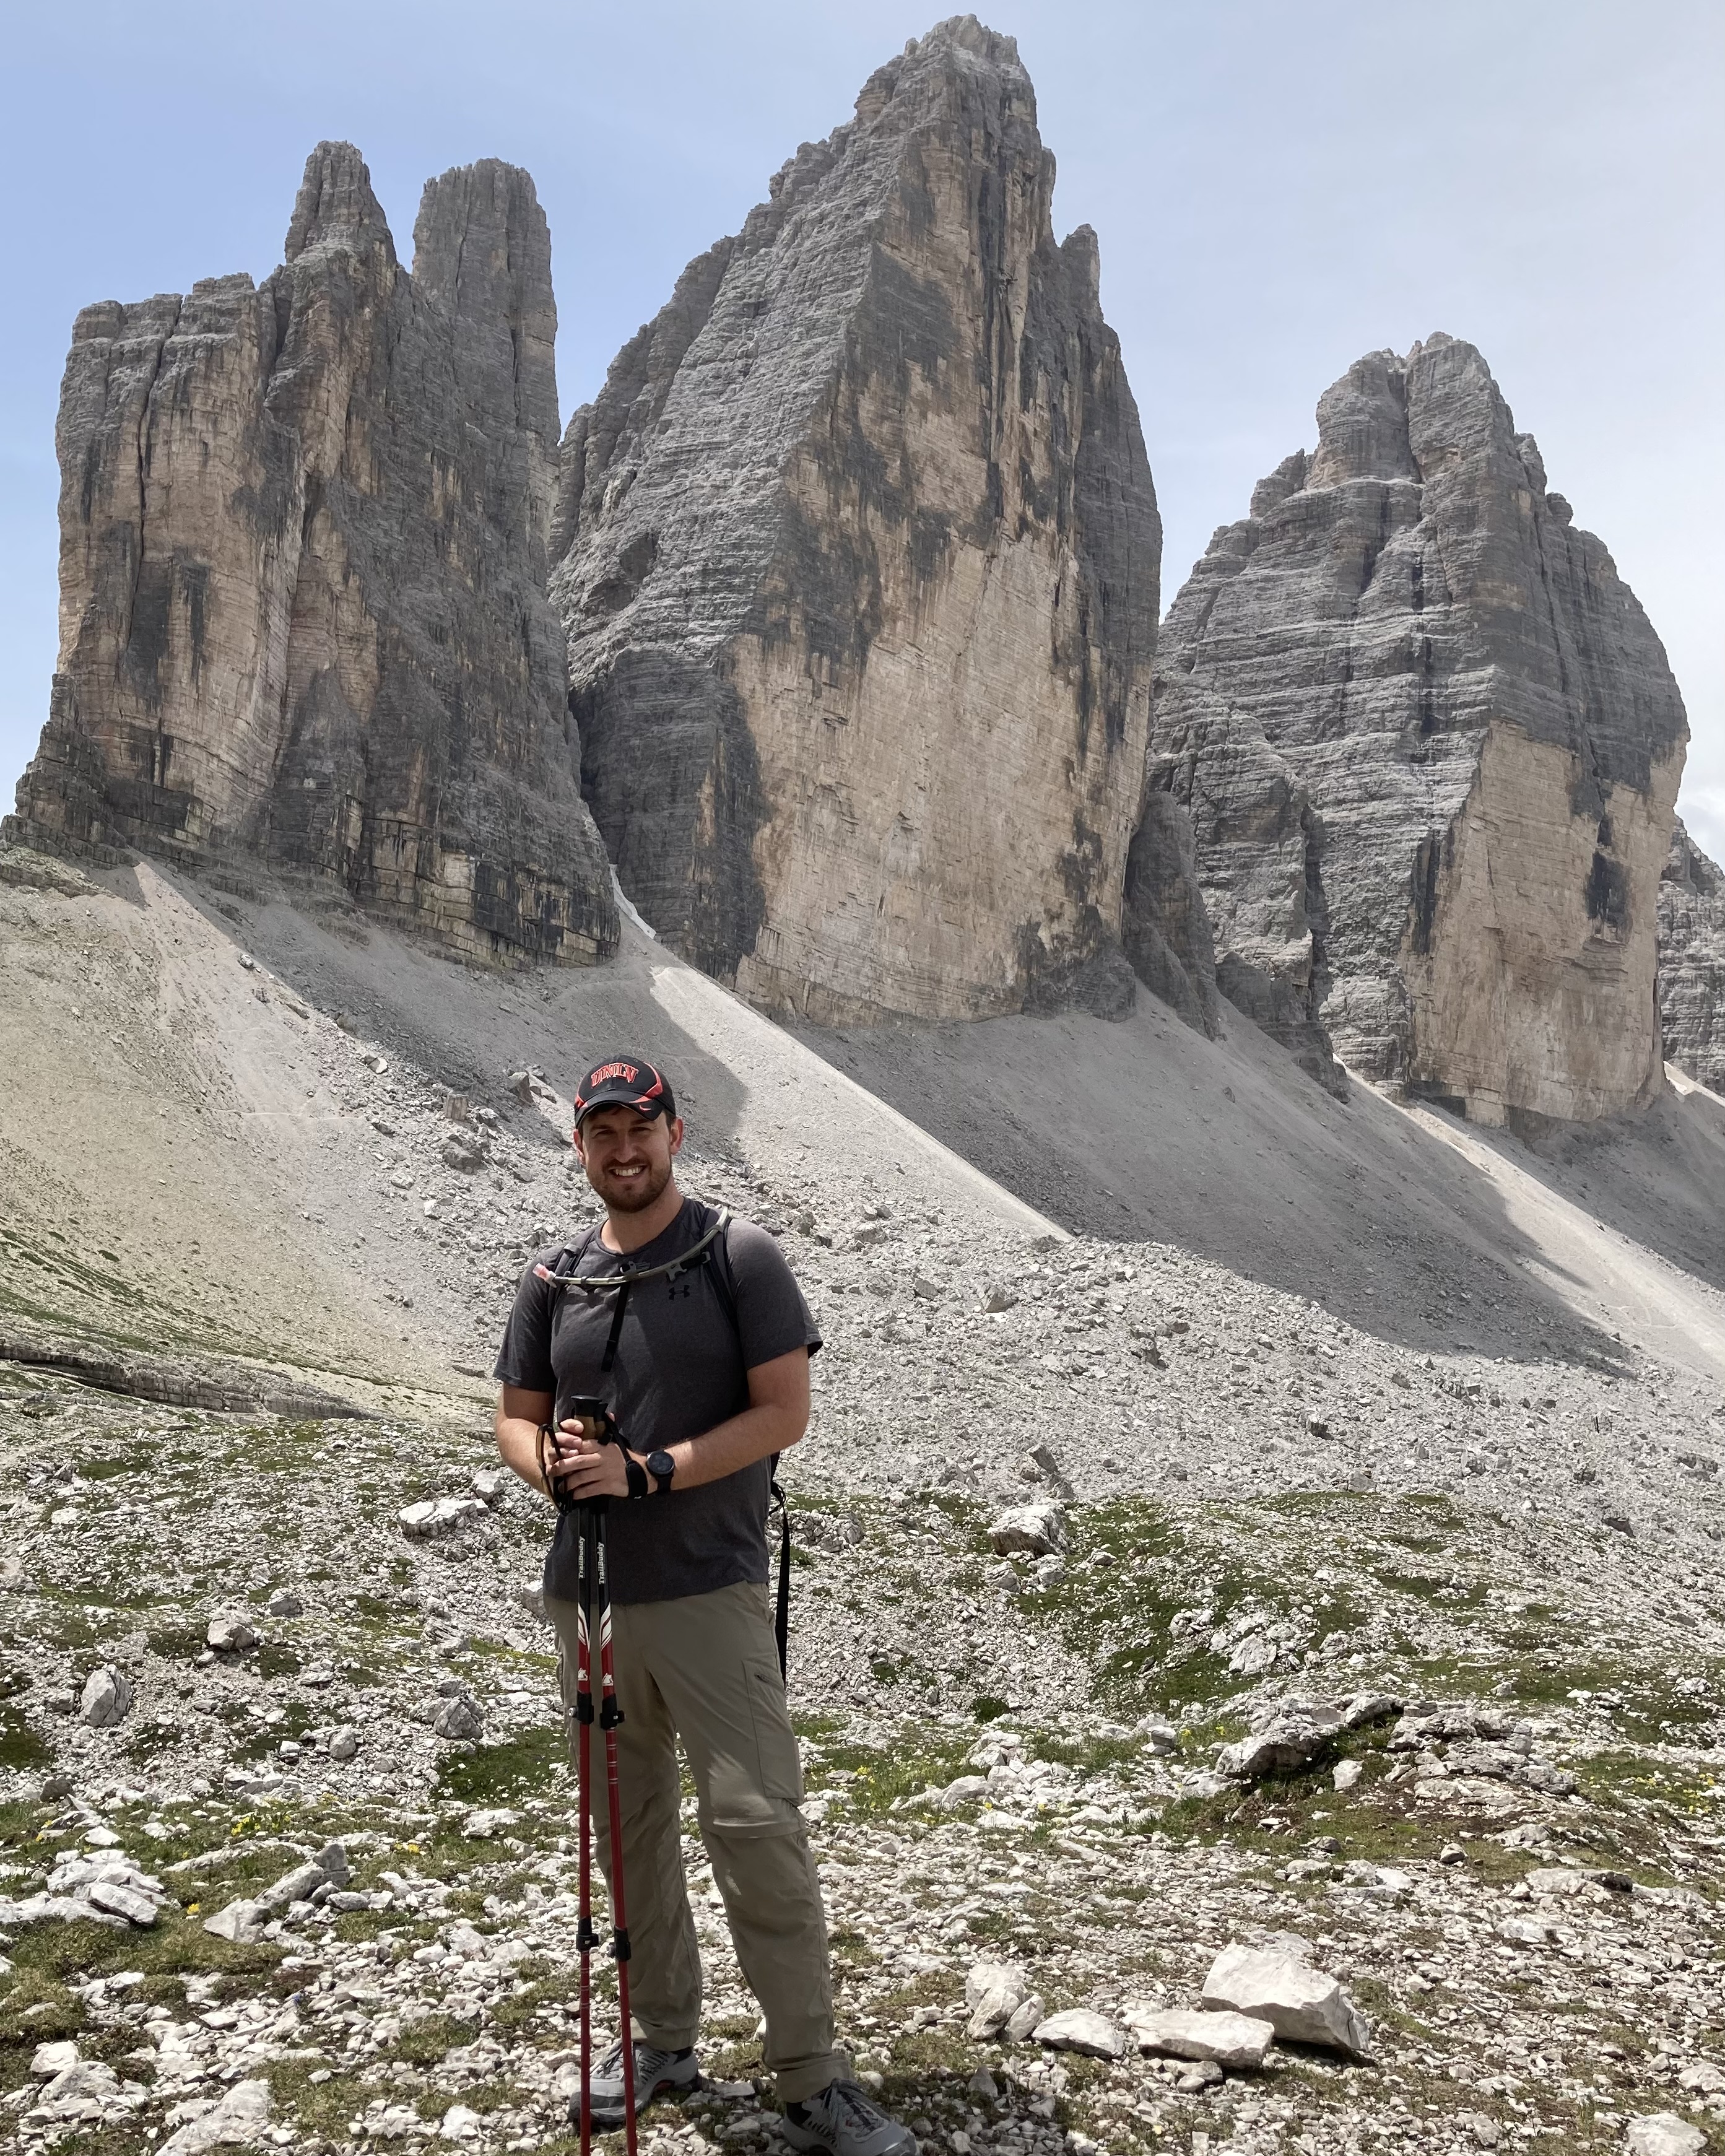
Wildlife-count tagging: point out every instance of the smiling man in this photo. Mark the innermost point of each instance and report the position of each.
(707, 1371)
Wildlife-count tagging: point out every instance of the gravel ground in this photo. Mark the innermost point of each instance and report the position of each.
(1503, 1544)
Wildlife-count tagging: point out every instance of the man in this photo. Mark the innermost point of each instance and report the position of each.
(707, 1371)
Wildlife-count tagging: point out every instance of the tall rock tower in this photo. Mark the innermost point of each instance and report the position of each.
(859, 558)
(304, 537)
(1691, 961)
(1428, 746)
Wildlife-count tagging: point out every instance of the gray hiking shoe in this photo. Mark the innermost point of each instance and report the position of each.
(842, 2121)
(657, 2073)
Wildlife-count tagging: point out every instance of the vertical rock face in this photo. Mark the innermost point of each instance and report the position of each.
(1691, 961)
(1428, 746)
(858, 561)
(304, 546)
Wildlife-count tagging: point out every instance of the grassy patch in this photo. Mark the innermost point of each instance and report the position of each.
(489, 1774)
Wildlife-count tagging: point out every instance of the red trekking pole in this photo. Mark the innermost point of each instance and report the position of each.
(594, 1613)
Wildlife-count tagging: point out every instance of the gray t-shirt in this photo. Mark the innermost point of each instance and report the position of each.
(681, 1367)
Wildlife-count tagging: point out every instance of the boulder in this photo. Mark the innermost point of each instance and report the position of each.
(106, 1698)
(299, 1885)
(1300, 2004)
(1663, 2134)
(241, 2120)
(241, 1921)
(47, 2059)
(1030, 1530)
(1079, 2029)
(344, 1742)
(986, 1977)
(121, 1899)
(229, 1632)
(1234, 2041)
(967, 1790)
(459, 1718)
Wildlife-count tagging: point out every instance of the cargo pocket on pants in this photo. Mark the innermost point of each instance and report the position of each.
(781, 1768)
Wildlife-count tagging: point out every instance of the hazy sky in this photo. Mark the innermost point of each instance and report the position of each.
(1278, 185)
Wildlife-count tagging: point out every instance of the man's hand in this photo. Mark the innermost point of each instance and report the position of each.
(585, 1469)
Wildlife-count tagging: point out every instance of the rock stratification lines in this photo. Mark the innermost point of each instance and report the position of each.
(1691, 961)
(1430, 748)
(859, 562)
(303, 559)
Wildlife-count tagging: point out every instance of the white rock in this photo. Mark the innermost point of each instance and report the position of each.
(106, 1698)
(229, 1633)
(459, 2123)
(994, 2010)
(47, 2059)
(1663, 2134)
(295, 1886)
(459, 1718)
(238, 2120)
(987, 1976)
(86, 2080)
(1025, 2018)
(1345, 1773)
(1079, 2029)
(432, 1516)
(240, 1922)
(1037, 1530)
(966, 1790)
(484, 1826)
(1301, 2004)
(1233, 2041)
(121, 1899)
(344, 1742)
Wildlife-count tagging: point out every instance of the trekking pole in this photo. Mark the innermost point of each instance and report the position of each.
(584, 1721)
(610, 1714)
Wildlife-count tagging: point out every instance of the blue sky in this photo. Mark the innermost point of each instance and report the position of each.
(1278, 186)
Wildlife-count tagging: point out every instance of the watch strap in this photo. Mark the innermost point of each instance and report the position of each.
(637, 1474)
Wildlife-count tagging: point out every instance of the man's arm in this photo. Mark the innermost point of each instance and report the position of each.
(775, 1420)
(520, 1415)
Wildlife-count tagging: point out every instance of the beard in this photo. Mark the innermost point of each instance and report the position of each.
(632, 1193)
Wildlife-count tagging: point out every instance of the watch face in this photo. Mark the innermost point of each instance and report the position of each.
(662, 1464)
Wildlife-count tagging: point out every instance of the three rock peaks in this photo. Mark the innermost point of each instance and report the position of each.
(833, 622)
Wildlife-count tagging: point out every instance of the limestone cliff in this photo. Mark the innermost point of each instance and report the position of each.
(858, 561)
(1429, 745)
(304, 535)
(1691, 961)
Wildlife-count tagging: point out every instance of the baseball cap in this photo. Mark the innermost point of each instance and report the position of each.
(625, 1081)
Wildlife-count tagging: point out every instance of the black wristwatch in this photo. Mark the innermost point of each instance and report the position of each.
(661, 1467)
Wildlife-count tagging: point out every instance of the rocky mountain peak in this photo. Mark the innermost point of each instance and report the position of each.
(858, 558)
(304, 549)
(1427, 745)
(335, 206)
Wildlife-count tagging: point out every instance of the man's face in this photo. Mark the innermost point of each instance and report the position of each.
(628, 1156)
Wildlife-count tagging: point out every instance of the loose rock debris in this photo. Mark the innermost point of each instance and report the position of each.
(1319, 1650)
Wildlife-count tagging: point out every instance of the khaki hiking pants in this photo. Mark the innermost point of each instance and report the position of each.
(705, 1668)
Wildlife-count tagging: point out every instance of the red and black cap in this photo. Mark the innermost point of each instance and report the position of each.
(625, 1081)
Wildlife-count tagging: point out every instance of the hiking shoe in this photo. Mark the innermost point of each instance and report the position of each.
(842, 2121)
(656, 2072)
